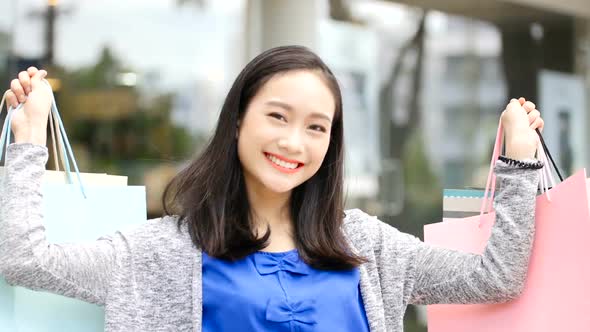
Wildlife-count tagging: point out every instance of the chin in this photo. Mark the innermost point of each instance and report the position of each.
(280, 189)
(279, 186)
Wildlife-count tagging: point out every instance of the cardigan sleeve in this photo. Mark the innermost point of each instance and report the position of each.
(81, 271)
(439, 275)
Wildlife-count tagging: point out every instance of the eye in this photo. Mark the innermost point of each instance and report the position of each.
(278, 116)
(318, 128)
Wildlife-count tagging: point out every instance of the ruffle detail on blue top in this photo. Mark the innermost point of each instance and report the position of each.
(304, 311)
(268, 263)
(284, 309)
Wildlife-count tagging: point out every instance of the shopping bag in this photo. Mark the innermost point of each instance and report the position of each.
(556, 295)
(77, 208)
(6, 306)
(69, 217)
(461, 203)
(94, 179)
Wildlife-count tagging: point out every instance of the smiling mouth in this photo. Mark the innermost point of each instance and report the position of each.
(283, 165)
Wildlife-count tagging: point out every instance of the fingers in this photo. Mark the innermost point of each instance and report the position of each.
(529, 106)
(538, 124)
(25, 81)
(18, 90)
(11, 99)
(32, 71)
(37, 79)
(23, 85)
(533, 115)
(514, 105)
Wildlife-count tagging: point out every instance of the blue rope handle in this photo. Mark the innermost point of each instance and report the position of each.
(5, 135)
(67, 149)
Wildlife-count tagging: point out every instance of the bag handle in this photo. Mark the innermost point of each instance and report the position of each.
(547, 180)
(491, 180)
(4, 127)
(66, 148)
(549, 155)
(55, 139)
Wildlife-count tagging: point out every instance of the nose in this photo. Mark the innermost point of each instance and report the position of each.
(291, 143)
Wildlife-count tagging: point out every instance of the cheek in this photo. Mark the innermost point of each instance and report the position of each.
(251, 142)
(245, 142)
(247, 145)
(250, 134)
(318, 153)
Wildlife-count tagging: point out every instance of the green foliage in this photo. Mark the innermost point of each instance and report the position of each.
(128, 143)
(422, 184)
(423, 191)
(101, 75)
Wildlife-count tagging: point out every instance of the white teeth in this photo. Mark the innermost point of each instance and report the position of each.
(281, 163)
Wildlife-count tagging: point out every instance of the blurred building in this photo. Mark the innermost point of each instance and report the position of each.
(4, 51)
(7, 61)
(550, 36)
(465, 88)
(195, 106)
(464, 93)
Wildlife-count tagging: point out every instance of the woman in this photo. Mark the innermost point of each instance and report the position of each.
(260, 241)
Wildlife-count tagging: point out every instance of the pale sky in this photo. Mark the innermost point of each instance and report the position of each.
(178, 41)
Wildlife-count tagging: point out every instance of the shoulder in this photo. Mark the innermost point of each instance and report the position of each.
(362, 230)
(154, 247)
(367, 232)
(163, 231)
(358, 220)
(156, 252)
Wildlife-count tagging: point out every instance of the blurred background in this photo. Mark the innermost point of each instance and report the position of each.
(140, 84)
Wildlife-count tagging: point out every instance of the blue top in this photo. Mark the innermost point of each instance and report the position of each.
(279, 292)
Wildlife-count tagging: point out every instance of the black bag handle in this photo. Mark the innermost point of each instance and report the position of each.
(549, 155)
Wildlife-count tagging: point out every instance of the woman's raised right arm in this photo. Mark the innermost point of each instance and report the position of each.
(82, 270)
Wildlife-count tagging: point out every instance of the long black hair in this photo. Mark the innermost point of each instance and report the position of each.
(210, 194)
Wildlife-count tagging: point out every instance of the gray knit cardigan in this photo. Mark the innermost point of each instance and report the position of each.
(149, 278)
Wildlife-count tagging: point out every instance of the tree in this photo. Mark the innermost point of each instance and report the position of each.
(116, 132)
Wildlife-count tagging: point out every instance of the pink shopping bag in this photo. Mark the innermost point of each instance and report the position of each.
(557, 290)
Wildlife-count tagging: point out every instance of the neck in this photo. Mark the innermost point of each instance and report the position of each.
(269, 209)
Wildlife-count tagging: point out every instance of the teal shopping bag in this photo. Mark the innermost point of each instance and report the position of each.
(82, 209)
(70, 217)
(461, 203)
(6, 306)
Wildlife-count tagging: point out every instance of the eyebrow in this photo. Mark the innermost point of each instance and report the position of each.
(289, 108)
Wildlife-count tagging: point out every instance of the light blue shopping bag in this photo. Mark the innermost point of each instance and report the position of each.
(74, 212)
(69, 217)
(6, 306)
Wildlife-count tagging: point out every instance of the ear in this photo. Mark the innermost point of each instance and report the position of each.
(238, 129)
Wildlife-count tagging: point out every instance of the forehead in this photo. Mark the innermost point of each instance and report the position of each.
(305, 91)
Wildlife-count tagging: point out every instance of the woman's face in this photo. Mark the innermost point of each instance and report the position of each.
(285, 132)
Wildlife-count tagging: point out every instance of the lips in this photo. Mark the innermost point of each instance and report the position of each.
(283, 164)
(283, 158)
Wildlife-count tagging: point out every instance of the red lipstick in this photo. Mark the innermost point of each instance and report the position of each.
(281, 168)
